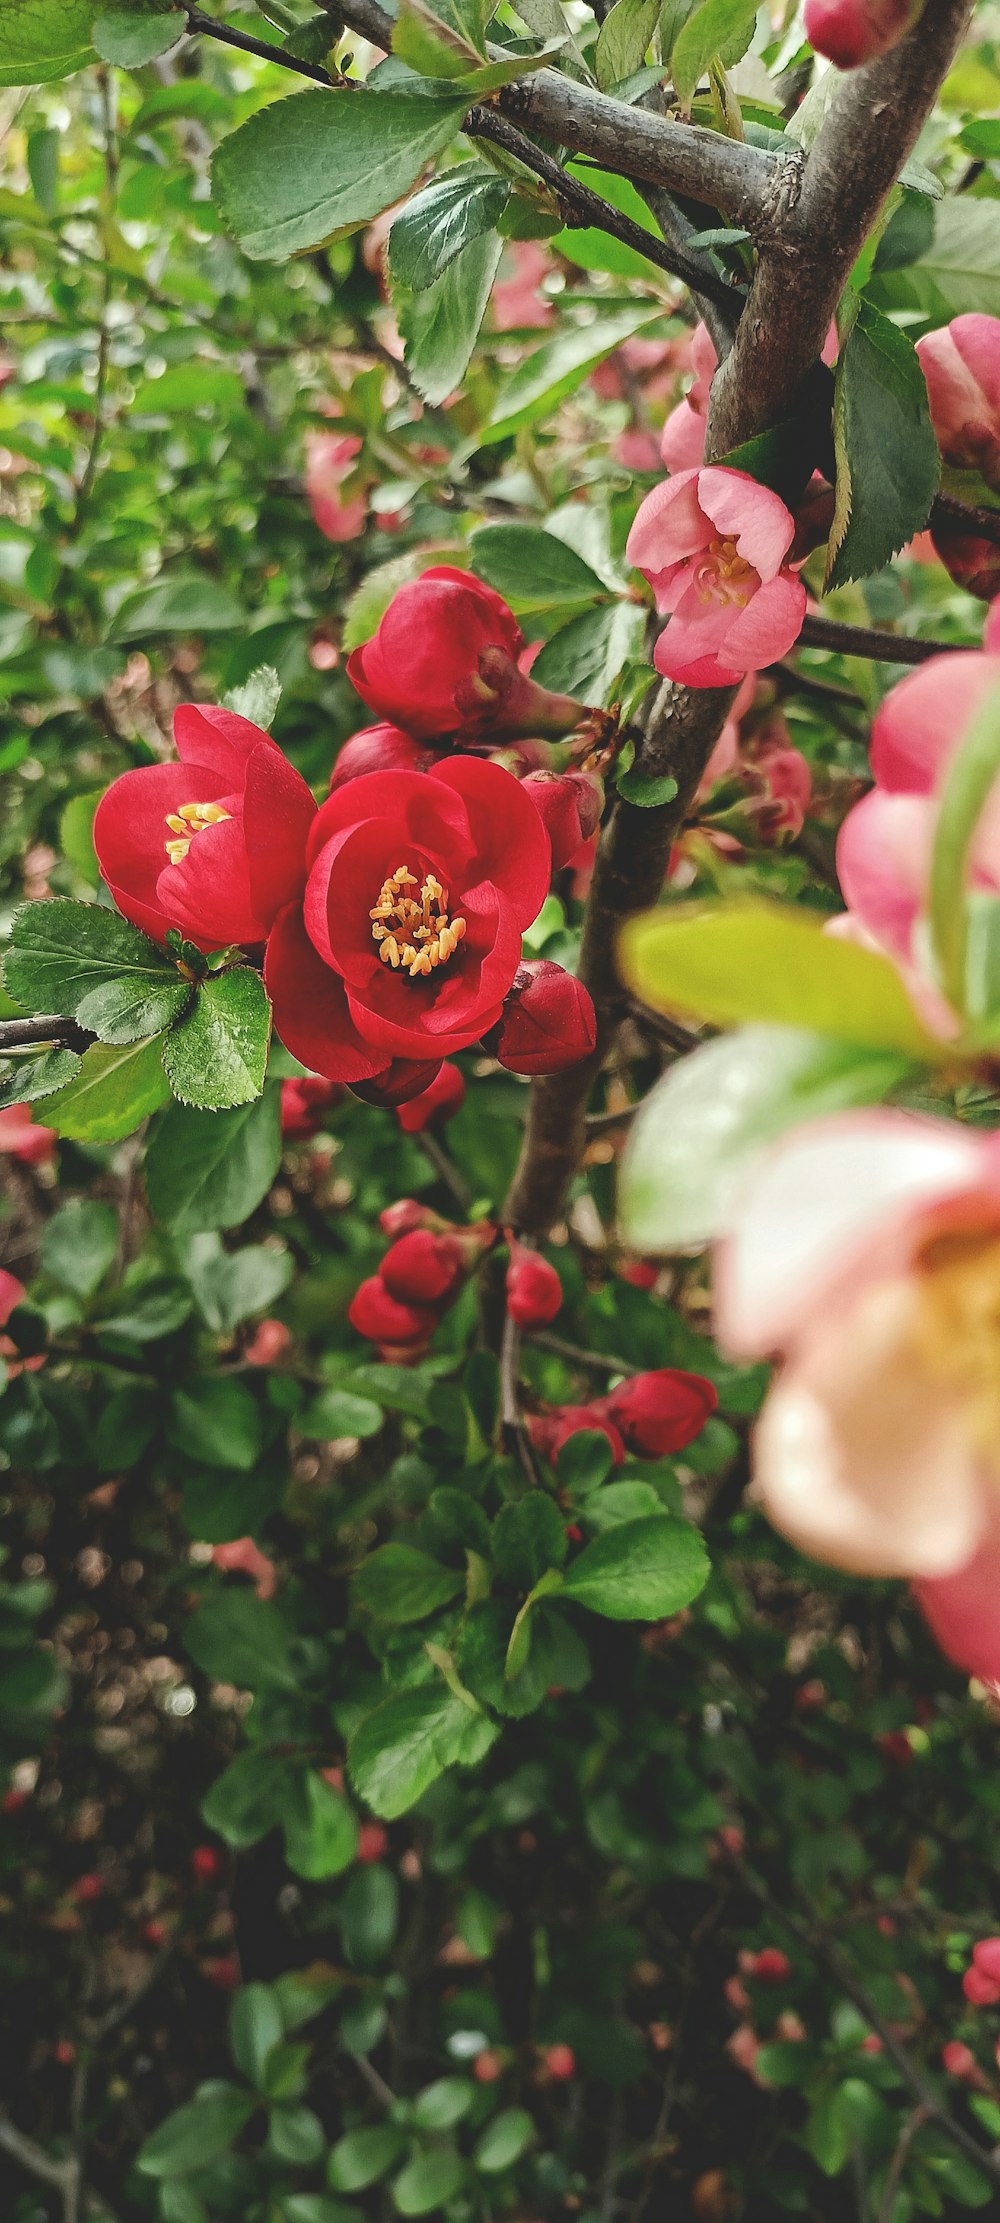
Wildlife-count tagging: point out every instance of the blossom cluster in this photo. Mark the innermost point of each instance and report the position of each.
(388, 920)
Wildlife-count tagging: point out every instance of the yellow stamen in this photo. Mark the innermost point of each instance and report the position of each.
(414, 936)
(190, 819)
(958, 1323)
(723, 574)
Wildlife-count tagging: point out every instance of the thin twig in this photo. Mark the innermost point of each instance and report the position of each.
(868, 640)
(914, 2123)
(676, 1037)
(47, 1033)
(446, 1170)
(599, 1362)
(512, 1429)
(242, 40)
(969, 516)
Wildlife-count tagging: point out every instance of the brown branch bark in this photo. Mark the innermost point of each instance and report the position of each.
(872, 125)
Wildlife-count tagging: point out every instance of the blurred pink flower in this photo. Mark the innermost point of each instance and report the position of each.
(865, 1251)
(961, 364)
(713, 544)
(20, 1138)
(330, 459)
(243, 1557)
(517, 303)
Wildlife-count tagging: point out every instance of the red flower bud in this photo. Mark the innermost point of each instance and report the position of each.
(569, 805)
(549, 1431)
(404, 1078)
(213, 844)
(872, 2043)
(487, 2066)
(207, 1864)
(88, 1889)
(398, 1219)
(657, 1414)
(224, 1974)
(305, 1102)
(330, 459)
(373, 1843)
(961, 364)
(374, 1313)
(422, 1268)
(378, 749)
(443, 664)
(849, 32)
(268, 1343)
(20, 1138)
(440, 1100)
(64, 2053)
(986, 1957)
(980, 1990)
(154, 1933)
(959, 2060)
(548, 1020)
(12, 1801)
(244, 1557)
(534, 1290)
(560, 2061)
(973, 563)
(771, 1965)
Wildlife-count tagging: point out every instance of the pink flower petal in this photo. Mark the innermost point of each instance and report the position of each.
(963, 1609)
(918, 727)
(883, 865)
(750, 514)
(769, 625)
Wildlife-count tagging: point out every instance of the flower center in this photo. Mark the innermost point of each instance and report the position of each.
(958, 1323)
(414, 930)
(189, 820)
(723, 575)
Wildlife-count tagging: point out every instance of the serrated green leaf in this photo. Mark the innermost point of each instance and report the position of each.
(43, 39)
(196, 2134)
(320, 164)
(321, 1833)
(398, 1751)
(736, 962)
(958, 273)
(447, 216)
(718, 27)
(216, 1056)
(399, 1584)
(440, 326)
(258, 698)
(178, 605)
(639, 1570)
(443, 40)
(533, 570)
(88, 964)
(622, 40)
(130, 40)
(30, 1080)
(888, 465)
(111, 1094)
(645, 791)
(586, 656)
(211, 1169)
(557, 368)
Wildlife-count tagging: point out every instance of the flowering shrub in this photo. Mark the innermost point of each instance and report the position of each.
(499, 1109)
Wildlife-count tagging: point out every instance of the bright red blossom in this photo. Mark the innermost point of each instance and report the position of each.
(444, 663)
(213, 844)
(383, 1319)
(409, 936)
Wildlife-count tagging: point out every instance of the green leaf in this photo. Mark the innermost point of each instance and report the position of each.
(337, 1413)
(130, 40)
(238, 1638)
(448, 215)
(215, 1421)
(28, 1080)
(444, 2103)
(186, 386)
(510, 2133)
(888, 465)
(586, 657)
(528, 1539)
(321, 1834)
(558, 367)
(399, 1584)
(639, 1571)
(446, 40)
(178, 605)
(764, 961)
(88, 964)
(231, 1286)
(43, 39)
(440, 326)
(79, 1244)
(969, 783)
(211, 1169)
(216, 1056)
(363, 2156)
(622, 40)
(718, 27)
(76, 834)
(258, 698)
(250, 1798)
(255, 2028)
(533, 570)
(401, 1748)
(688, 1151)
(295, 2134)
(644, 791)
(959, 273)
(428, 2182)
(196, 2134)
(307, 169)
(596, 250)
(111, 1094)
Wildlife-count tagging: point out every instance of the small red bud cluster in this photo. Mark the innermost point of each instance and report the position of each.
(648, 1416)
(419, 1278)
(534, 1290)
(981, 1982)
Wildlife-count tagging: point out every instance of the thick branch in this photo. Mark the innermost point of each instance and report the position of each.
(23, 1034)
(867, 640)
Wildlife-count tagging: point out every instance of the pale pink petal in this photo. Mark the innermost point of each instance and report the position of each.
(750, 514)
(860, 1457)
(669, 526)
(991, 636)
(816, 1202)
(918, 727)
(883, 865)
(963, 1610)
(769, 625)
(682, 441)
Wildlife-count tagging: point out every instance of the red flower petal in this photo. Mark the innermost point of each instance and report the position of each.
(311, 1012)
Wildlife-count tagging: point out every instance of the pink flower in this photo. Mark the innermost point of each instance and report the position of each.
(243, 1557)
(866, 1252)
(849, 32)
(330, 459)
(682, 441)
(517, 302)
(885, 843)
(713, 544)
(20, 1138)
(961, 364)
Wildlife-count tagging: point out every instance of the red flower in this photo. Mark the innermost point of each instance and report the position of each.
(657, 1414)
(378, 749)
(305, 1102)
(419, 887)
(569, 805)
(444, 662)
(849, 32)
(534, 1290)
(548, 1020)
(422, 1268)
(214, 844)
(440, 1101)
